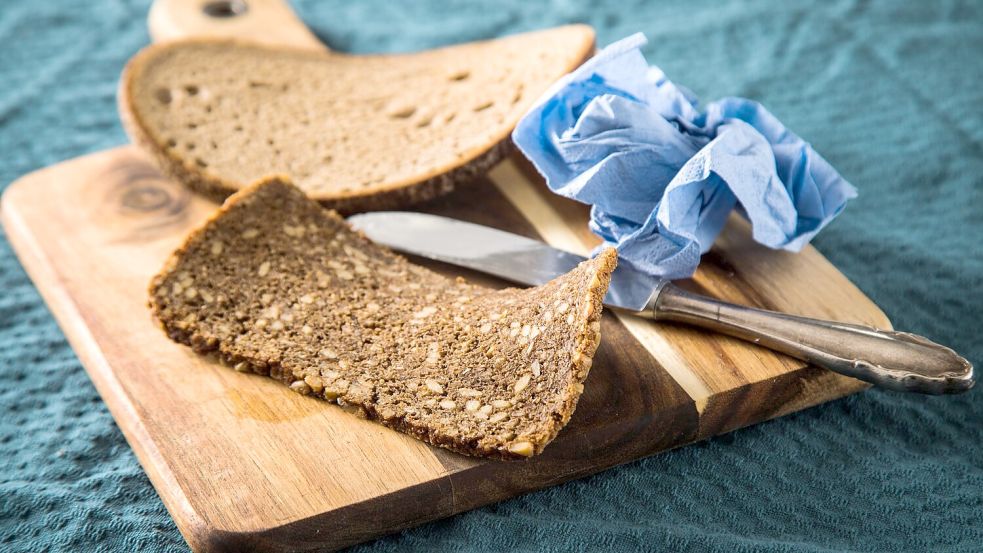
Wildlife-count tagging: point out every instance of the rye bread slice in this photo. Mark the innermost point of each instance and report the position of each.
(275, 284)
(354, 132)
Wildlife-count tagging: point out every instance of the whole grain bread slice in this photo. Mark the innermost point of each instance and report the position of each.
(354, 132)
(275, 284)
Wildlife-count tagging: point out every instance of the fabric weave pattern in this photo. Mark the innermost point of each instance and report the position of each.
(888, 91)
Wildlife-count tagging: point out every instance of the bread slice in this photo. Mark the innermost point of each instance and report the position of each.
(278, 285)
(354, 132)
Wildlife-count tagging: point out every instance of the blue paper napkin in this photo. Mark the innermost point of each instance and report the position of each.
(661, 176)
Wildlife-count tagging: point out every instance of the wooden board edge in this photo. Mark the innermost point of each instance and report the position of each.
(73, 325)
(741, 407)
(442, 497)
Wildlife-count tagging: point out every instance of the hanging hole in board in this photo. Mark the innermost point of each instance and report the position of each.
(225, 8)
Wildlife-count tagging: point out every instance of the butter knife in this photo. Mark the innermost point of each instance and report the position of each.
(894, 360)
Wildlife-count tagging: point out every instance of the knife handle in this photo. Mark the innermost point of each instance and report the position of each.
(893, 360)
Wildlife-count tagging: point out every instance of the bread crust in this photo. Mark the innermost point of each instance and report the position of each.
(436, 182)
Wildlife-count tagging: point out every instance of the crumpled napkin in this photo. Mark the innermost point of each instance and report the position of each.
(663, 177)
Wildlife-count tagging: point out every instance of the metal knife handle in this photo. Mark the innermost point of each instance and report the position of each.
(894, 360)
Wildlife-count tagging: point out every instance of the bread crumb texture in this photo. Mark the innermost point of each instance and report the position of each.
(277, 285)
(354, 132)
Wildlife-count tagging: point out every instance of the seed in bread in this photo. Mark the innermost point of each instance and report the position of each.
(354, 132)
(299, 296)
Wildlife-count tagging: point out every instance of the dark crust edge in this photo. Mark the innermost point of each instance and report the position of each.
(587, 342)
(218, 189)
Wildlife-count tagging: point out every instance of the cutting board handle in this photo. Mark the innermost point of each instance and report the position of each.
(266, 21)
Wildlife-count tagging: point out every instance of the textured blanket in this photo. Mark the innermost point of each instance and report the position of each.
(889, 92)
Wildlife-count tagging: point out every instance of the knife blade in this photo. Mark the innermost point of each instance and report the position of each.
(894, 360)
(503, 254)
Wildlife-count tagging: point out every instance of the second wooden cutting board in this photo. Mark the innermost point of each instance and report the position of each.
(244, 464)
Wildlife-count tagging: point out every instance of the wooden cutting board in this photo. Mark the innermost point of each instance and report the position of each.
(244, 464)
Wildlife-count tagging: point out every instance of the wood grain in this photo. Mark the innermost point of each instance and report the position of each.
(244, 464)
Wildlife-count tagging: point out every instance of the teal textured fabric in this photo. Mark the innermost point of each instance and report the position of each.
(889, 92)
